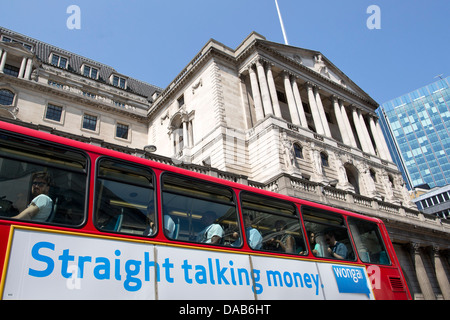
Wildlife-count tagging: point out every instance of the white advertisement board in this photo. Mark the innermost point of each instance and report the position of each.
(50, 265)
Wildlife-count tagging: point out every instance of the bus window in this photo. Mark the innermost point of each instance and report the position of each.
(125, 199)
(272, 224)
(198, 211)
(327, 234)
(40, 182)
(368, 241)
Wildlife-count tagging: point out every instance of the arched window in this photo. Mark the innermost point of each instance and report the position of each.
(352, 176)
(6, 97)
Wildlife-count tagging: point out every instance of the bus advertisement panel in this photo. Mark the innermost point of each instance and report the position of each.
(44, 264)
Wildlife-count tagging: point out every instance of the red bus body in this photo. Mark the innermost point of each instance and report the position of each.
(388, 282)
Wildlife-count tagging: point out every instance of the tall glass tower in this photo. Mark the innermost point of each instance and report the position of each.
(417, 130)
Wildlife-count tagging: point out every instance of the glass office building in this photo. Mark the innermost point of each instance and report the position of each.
(416, 127)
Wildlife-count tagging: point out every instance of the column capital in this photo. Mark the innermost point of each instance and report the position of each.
(250, 67)
(335, 98)
(415, 247)
(259, 61)
(309, 84)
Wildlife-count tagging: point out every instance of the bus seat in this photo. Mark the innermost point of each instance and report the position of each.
(53, 212)
(177, 229)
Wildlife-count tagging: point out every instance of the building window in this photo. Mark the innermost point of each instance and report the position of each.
(119, 82)
(324, 158)
(298, 150)
(373, 175)
(26, 45)
(90, 72)
(122, 131)
(11, 70)
(53, 112)
(6, 97)
(181, 101)
(59, 61)
(89, 122)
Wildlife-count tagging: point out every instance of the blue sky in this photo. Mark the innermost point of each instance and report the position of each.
(153, 40)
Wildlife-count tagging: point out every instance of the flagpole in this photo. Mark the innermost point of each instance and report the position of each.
(282, 24)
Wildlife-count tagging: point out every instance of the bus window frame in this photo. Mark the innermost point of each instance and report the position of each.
(234, 203)
(344, 226)
(95, 197)
(297, 215)
(380, 236)
(86, 170)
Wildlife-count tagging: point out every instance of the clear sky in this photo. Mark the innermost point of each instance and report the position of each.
(153, 40)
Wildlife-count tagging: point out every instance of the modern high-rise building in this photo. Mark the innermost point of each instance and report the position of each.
(417, 130)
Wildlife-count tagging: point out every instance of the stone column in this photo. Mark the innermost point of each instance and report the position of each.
(290, 98)
(3, 61)
(314, 109)
(323, 117)
(273, 91)
(441, 276)
(383, 142)
(340, 121)
(357, 122)
(28, 69)
(298, 101)
(256, 95)
(267, 103)
(378, 139)
(22, 67)
(422, 277)
(348, 127)
(185, 134)
(366, 134)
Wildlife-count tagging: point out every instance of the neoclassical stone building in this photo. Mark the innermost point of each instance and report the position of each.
(272, 116)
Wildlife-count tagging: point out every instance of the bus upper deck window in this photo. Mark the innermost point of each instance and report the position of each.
(50, 179)
(272, 224)
(199, 211)
(368, 241)
(125, 199)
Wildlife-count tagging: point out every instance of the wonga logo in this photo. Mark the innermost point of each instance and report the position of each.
(351, 280)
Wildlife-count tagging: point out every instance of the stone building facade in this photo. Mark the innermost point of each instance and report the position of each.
(268, 115)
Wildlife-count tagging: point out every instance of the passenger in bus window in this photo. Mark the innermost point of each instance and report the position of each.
(41, 206)
(213, 232)
(169, 224)
(151, 227)
(282, 241)
(336, 249)
(315, 245)
(254, 237)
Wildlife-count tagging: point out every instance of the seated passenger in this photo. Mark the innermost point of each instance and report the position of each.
(315, 245)
(336, 249)
(282, 240)
(254, 237)
(213, 232)
(169, 224)
(41, 206)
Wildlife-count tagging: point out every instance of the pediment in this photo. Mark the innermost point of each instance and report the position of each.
(318, 63)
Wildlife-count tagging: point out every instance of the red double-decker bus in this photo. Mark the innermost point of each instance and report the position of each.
(82, 222)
